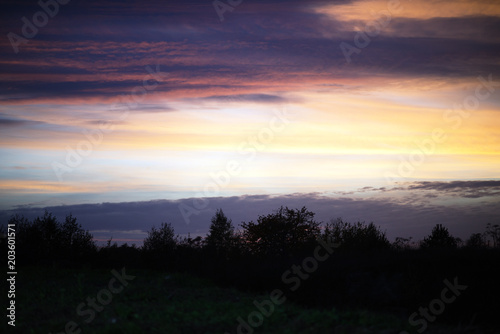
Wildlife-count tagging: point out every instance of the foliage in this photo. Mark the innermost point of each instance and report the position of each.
(493, 231)
(439, 238)
(75, 240)
(47, 238)
(220, 237)
(114, 255)
(160, 240)
(402, 243)
(476, 240)
(188, 242)
(356, 236)
(348, 279)
(282, 232)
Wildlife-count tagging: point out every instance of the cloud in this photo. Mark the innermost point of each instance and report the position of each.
(94, 52)
(468, 189)
(12, 122)
(153, 108)
(253, 98)
(465, 189)
(453, 185)
(15, 122)
(472, 28)
(267, 44)
(398, 218)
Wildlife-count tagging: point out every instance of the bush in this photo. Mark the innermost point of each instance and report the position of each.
(281, 233)
(160, 240)
(358, 236)
(439, 238)
(493, 231)
(45, 238)
(475, 241)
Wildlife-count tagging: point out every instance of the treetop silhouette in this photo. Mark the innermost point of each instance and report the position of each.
(282, 232)
(221, 237)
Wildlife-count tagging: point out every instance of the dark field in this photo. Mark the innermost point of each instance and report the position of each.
(283, 274)
(159, 302)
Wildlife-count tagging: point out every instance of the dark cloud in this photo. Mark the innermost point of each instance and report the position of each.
(154, 108)
(254, 98)
(454, 185)
(399, 218)
(469, 189)
(91, 48)
(474, 28)
(99, 49)
(12, 122)
(16, 122)
(466, 189)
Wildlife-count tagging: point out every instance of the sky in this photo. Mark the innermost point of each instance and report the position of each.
(133, 113)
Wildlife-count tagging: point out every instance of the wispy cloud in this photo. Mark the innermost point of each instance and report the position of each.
(465, 189)
(470, 189)
(253, 98)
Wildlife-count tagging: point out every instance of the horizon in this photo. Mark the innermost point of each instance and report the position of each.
(130, 114)
(130, 222)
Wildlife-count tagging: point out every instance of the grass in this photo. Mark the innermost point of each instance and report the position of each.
(157, 302)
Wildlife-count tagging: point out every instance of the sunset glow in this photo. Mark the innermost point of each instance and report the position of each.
(116, 102)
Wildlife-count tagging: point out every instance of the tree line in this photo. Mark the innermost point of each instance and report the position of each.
(283, 233)
(366, 269)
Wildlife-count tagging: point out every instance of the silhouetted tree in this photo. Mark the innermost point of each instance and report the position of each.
(114, 255)
(476, 240)
(109, 243)
(220, 237)
(25, 233)
(195, 243)
(439, 238)
(402, 243)
(75, 240)
(160, 240)
(356, 236)
(281, 233)
(46, 238)
(493, 231)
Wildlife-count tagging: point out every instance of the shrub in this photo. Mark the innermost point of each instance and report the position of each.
(160, 240)
(46, 238)
(439, 238)
(356, 236)
(281, 233)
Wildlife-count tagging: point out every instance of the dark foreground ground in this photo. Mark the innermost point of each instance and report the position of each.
(132, 300)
